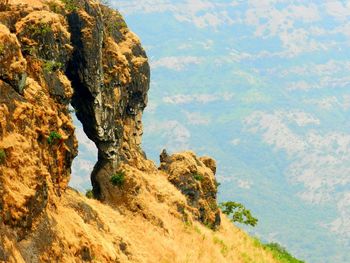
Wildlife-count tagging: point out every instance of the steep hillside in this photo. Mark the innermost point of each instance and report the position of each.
(53, 53)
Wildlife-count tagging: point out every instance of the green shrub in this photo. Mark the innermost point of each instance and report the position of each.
(51, 66)
(39, 29)
(120, 24)
(118, 179)
(2, 156)
(198, 177)
(54, 137)
(44, 29)
(89, 194)
(70, 5)
(54, 7)
(29, 50)
(280, 253)
(239, 213)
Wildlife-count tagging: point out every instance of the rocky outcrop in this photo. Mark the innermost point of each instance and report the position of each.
(110, 72)
(195, 178)
(36, 131)
(53, 53)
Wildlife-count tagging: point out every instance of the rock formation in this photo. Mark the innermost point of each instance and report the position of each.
(195, 178)
(57, 52)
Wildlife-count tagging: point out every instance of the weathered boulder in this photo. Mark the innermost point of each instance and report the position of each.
(195, 178)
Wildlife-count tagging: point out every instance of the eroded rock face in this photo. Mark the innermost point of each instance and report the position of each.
(195, 178)
(110, 72)
(36, 133)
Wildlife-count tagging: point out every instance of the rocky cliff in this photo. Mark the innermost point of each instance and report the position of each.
(56, 53)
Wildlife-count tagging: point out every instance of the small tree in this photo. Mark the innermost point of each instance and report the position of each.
(239, 213)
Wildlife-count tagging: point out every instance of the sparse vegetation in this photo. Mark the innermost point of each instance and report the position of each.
(52, 66)
(217, 184)
(213, 205)
(89, 194)
(224, 248)
(2, 156)
(54, 7)
(2, 49)
(40, 29)
(120, 23)
(197, 230)
(29, 50)
(209, 225)
(239, 213)
(280, 253)
(114, 21)
(198, 177)
(118, 179)
(54, 137)
(70, 5)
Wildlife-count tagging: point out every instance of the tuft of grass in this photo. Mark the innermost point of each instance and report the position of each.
(53, 137)
(197, 230)
(118, 179)
(89, 194)
(2, 156)
(29, 50)
(224, 248)
(280, 253)
(209, 225)
(120, 24)
(52, 66)
(246, 258)
(198, 177)
(2, 49)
